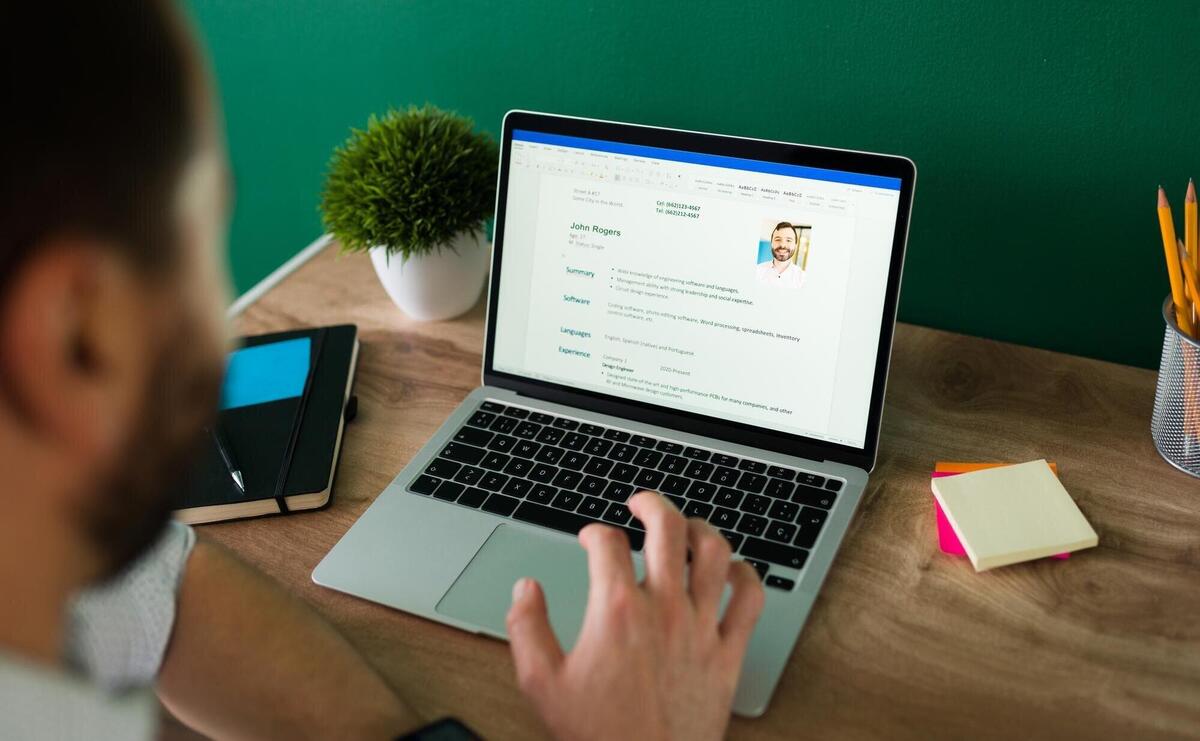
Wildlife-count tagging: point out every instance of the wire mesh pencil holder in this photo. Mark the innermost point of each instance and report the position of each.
(1175, 424)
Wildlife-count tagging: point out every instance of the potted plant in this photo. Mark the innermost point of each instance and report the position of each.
(415, 190)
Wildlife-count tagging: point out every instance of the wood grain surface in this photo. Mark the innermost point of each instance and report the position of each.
(904, 641)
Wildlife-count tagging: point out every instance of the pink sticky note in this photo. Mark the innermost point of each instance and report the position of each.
(948, 539)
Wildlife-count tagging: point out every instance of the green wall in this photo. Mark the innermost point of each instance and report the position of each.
(1040, 130)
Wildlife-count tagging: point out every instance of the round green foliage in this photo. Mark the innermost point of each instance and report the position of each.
(410, 182)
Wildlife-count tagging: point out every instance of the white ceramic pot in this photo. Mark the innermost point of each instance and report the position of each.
(437, 285)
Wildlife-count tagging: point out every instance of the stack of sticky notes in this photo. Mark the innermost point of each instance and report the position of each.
(1003, 514)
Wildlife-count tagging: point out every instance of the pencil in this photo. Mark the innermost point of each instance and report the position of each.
(1191, 236)
(1167, 226)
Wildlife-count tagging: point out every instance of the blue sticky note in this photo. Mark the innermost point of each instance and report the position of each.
(256, 375)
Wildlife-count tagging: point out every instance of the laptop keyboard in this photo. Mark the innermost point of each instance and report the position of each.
(563, 474)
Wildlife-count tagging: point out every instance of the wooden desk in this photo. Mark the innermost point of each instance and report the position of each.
(904, 642)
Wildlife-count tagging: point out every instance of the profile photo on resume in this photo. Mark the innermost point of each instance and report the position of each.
(783, 253)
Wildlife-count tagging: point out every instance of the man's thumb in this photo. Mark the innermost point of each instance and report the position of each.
(535, 649)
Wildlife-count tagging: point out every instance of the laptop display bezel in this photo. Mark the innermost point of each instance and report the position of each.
(696, 423)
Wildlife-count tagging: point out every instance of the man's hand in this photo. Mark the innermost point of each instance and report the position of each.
(654, 660)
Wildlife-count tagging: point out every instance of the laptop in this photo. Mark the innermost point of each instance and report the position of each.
(706, 316)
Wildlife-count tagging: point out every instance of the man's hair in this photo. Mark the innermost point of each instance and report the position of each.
(99, 111)
(786, 225)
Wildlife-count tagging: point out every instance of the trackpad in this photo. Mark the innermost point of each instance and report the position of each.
(482, 593)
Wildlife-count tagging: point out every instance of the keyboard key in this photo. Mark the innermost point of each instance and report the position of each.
(598, 466)
(463, 453)
(809, 523)
(494, 461)
(504, 425)
(542, 494)
(752, 524)
(701, 491)
(642, 441)
(753, 466)
(727, 497)
(516, 488)
(527, 430)
(567, 522)
(617, 514)
(618, 435)
(498, 504)
(724, 476)
(735, 539)
(760, 566)
(518, 467)
(786, 511)
(679, 502)
(550, 435)
(752, 482)
(493, 481)
(624, 472)
(549, 454)
(765, 550)
(542, 473)
(779, 489)
(811, 479)
(618, 492)
(724, 518)
(780, 472)
(814, 497)
(699, 470)
(573, 441)
(673, 485)
(622, 453)
(597, 446)
(502, 443)
(697, 509)
(449, 490)
(469, 475)
(720, 459)
(778, 582)
(697, 454)
(424, 484)
(517, 412)
(669, 447)
(491, 406)
(591, 429)
(573, 460)
(481, 419)
(755, 504)
(525, 449)
(568, 479)
(563, 423)
(833, 485)
(648, 479)
(592, 485)
(473, 436)
(649, 458)
(541, 418)
(592, 507)
(473, 497)
(673, 464)
(568, 500)
(780, 531)
(442, 468)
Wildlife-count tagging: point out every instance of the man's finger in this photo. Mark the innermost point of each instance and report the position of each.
(745, 605)
(666, 541)
(709, 570)
(535, 650)
(609, 561)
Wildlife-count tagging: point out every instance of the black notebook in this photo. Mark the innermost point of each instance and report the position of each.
(287, 448)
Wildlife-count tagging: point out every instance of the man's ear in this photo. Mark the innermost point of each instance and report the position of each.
(74, 354)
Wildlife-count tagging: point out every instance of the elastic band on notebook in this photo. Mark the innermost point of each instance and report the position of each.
(297, 423)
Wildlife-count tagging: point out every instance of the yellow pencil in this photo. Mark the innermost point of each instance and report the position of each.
(1191, 237)
(1167, 226)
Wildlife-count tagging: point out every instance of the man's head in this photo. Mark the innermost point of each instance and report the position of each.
(111, 288)
(784, 240)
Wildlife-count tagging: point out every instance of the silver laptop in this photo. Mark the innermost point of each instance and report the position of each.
(706, 316)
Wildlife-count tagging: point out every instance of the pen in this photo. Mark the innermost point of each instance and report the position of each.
(227, 455)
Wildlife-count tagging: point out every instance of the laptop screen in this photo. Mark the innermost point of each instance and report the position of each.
(745, 290)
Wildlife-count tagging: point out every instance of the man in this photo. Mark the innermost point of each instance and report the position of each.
(112, 209)
(781, 269)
